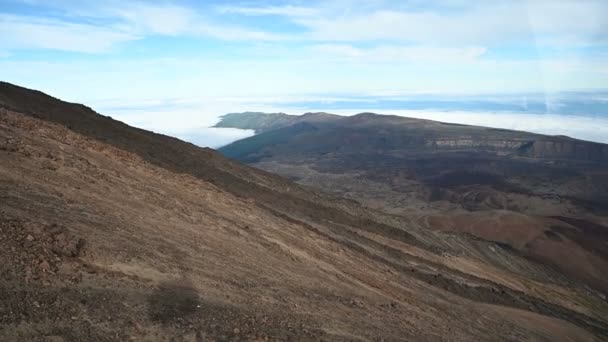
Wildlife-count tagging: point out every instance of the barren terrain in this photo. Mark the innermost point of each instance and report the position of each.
(544, 196)
(111, 233)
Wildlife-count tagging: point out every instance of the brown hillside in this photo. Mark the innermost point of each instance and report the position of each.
(112, 233)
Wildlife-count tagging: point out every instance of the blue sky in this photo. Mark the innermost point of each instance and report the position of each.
(123, 53)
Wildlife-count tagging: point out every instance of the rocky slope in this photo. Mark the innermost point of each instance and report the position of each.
(112, 233)
(537, 194)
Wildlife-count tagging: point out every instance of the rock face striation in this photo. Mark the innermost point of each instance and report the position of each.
(567, 149)
(534, 147)
(113, 233)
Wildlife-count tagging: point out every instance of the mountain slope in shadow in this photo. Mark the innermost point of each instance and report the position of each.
(111, 233)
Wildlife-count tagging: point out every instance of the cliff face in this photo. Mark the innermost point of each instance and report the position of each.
(550, 148)
(471, 142)
(567, 149)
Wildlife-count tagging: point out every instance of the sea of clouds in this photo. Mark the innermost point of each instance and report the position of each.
(579, 116)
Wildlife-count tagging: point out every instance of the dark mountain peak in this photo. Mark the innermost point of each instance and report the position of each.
(372, 118)
(314, 115)
(366, 115)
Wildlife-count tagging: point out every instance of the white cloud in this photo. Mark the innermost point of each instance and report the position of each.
(216, 137)
(186, 119)
(289, 10)
(91, 28)
(306, 73)
(424, 54)
(340, 50)
(451, 23)
(175, 20)
(232, 33)
(160, 19)
(447, 22)
(20, 32)
(581, 18)
(448, 55)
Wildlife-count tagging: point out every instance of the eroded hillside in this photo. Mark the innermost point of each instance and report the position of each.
(111, 233)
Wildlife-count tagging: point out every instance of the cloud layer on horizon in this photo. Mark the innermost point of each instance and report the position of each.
(337, 46)
(92, 52)
(191, 120)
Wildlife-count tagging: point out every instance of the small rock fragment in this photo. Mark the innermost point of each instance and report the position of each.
(44, 266)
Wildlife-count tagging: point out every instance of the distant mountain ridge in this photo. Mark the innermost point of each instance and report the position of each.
(401, 132)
